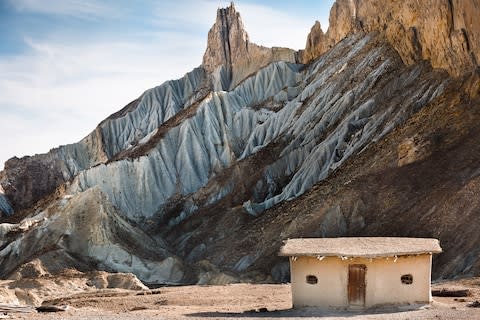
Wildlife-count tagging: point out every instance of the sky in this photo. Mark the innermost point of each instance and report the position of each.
(65, 65)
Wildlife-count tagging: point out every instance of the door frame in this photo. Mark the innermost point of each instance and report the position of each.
(359, 287)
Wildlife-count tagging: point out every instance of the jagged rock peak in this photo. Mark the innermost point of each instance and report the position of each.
(316, 44)
(227, 39)
(231, 55)
(445, 32)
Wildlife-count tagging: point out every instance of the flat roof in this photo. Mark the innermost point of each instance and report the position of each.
(368, 247)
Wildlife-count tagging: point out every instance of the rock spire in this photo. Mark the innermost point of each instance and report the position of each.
(230, 53)
(227, 40)
(445, 32)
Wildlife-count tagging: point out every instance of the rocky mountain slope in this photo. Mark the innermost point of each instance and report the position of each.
(199, 179)
(445, 32)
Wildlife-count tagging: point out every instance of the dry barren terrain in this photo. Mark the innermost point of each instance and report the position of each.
(246, 301)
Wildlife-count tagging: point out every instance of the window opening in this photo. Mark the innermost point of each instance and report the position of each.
(407, 279)
(312, 279)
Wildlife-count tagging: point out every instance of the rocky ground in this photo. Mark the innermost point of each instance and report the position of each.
(248, 301)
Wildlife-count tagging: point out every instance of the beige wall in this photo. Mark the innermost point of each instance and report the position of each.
(383, 284)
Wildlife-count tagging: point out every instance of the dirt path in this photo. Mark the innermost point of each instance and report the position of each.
(245, 301)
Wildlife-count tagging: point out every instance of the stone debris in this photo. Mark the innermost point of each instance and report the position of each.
(52, 308)
(11, 308)
(474, 304)
(445, 292)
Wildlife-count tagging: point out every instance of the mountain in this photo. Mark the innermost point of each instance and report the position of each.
(369, 131)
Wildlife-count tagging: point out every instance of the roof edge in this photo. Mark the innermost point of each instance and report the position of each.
(360, 247)
(281, 254)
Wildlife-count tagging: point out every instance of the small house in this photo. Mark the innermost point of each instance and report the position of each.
(360, 272)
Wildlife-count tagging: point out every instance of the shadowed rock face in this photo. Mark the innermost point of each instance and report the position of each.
(200, 178)
(29, 179)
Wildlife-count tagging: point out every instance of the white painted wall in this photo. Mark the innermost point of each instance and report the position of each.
(383, 284)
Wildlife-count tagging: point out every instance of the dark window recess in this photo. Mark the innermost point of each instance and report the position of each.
(312, 279)
(407, 279)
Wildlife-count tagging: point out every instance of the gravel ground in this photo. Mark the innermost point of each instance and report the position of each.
(245, 301)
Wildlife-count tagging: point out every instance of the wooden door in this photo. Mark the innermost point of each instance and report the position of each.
(356, 284)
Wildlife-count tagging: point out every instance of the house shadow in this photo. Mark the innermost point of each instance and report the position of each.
(303, 313)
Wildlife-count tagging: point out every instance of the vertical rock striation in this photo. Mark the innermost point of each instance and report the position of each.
(317, 43)
(231, 56)
(27, 180)
(445, 32)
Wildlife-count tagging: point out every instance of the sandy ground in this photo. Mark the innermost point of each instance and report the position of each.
(246, 301)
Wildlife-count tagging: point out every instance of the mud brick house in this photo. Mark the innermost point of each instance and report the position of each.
(360, 272)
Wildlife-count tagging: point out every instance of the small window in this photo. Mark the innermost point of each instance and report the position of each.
(407, 279)
(312, 279)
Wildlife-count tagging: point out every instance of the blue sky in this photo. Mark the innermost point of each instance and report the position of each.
(65, 65)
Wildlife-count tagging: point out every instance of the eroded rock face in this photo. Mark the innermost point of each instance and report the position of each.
(414, 149)
(317, 43)
(193, 152)
(85, 231)
(445, 32)
(32, 285)
(26, 180)
(227, 40)
(229, 50)
(340, 111)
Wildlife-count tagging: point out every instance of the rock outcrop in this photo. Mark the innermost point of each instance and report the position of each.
(317, 44)
(85, 231)
(445, 32)
(231, 56)
(27, 180)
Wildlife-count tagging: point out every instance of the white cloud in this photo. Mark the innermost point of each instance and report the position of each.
(271, 27)
(76, 8)
(64, 75)
(173, 14)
